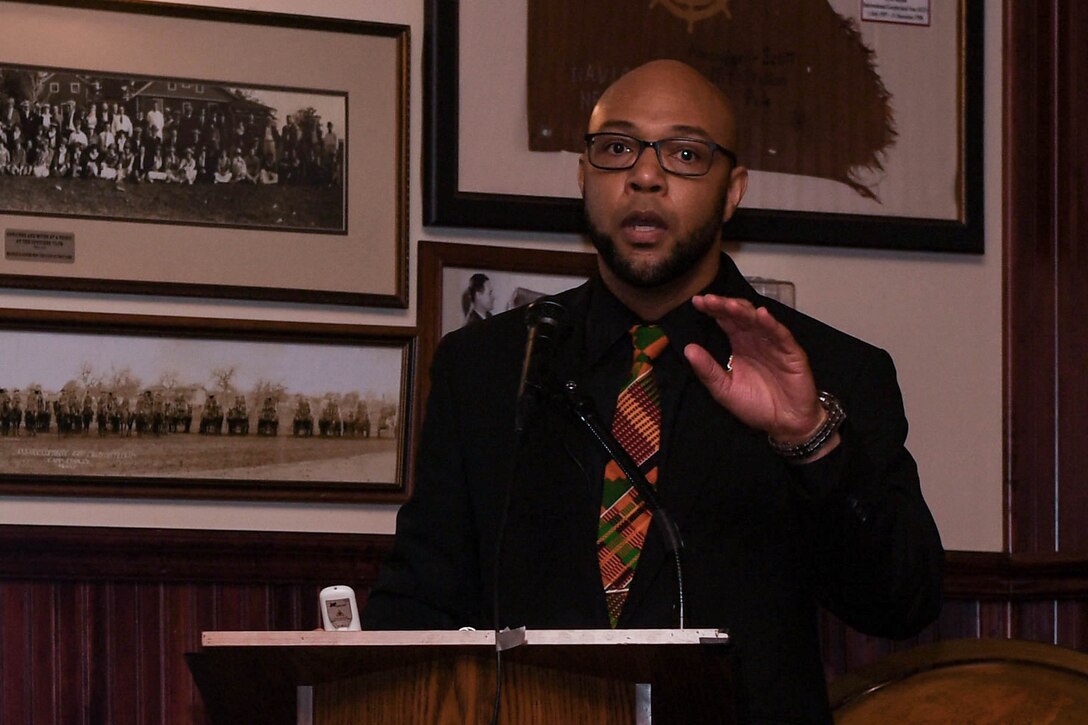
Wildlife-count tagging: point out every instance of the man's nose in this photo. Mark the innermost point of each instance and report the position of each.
(646, 175)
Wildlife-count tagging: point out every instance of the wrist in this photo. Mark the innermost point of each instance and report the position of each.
(801, 432)
(824, 434)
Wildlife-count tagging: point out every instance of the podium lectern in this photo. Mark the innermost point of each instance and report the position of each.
(596, 677)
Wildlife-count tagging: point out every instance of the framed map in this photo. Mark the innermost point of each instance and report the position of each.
(846, 145)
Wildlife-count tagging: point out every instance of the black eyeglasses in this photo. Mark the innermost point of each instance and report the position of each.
(680, 156)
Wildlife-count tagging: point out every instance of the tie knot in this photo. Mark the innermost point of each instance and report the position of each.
(649, 340)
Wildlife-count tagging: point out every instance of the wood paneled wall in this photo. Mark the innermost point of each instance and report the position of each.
(94, 622)
(1045, 207)
(986, 595)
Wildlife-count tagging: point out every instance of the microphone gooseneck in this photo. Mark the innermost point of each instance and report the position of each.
(583, 409)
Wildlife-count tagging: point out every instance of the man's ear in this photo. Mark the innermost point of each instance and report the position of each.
(582, 174)
(738, 184)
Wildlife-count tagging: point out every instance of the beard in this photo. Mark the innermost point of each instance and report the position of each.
(687, 253)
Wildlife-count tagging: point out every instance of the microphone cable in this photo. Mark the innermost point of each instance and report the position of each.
(546, 321)
(501, 534)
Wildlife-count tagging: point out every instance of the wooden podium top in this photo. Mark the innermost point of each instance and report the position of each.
(460, 638)
(254, 676)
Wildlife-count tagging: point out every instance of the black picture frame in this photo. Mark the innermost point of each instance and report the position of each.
(437, 259)
(446, 204)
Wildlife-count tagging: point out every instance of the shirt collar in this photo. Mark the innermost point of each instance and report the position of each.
(608, 319)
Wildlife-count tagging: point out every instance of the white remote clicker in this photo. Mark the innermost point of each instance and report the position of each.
(339, 613)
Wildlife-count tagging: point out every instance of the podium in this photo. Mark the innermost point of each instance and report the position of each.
(596, 677)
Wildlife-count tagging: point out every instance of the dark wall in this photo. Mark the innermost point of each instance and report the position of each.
(1045, 205)
(94, 622)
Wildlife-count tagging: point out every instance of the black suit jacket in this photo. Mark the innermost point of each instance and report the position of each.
(765, 543)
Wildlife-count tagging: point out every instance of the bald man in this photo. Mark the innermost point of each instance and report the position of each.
(776, 443)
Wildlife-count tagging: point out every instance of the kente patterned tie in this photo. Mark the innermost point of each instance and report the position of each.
(625, 519)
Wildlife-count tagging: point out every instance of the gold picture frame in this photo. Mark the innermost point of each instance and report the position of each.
(267, 246)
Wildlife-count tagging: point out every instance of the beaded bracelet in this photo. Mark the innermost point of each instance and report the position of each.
(799, 451)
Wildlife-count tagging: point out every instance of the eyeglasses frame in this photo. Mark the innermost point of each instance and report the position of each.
(656, 146)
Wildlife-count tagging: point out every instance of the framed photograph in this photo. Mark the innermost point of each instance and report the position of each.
(459, 283)
(188, 408)
(173, 149)
(846, 146)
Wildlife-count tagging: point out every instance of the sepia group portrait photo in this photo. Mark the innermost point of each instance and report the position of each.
(201, 409)
(84, 143)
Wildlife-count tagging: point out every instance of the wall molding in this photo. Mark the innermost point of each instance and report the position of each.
(1015, 577)
(61, 553)
(97, 609)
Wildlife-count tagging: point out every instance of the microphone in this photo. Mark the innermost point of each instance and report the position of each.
(547, 322)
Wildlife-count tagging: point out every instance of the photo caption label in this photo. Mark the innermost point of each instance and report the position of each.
(36, 246)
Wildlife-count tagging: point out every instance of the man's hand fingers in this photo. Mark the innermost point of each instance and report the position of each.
(713, 376)
(775, 332)
(749, 328)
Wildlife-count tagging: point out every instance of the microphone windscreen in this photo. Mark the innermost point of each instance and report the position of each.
(547, 317)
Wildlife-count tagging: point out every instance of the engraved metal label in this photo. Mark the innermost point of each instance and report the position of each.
(37, 246)
(904, 12)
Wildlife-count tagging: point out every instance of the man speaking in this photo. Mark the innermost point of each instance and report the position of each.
(774, 442)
